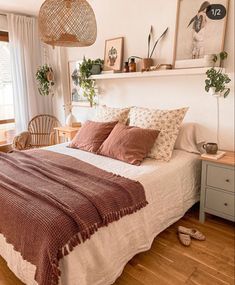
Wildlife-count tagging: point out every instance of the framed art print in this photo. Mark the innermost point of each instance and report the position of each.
(113, 55)
(200, 30)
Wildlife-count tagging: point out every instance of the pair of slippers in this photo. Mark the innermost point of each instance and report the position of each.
(185, 235)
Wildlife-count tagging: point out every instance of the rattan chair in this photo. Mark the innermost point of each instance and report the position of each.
(40, 133)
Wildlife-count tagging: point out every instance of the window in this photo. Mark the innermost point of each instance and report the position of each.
(7, 122)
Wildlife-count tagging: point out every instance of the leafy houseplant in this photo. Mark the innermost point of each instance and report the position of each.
(216, 81)
(45, 79)
(148, 61)
(86, 69)
(150, 53)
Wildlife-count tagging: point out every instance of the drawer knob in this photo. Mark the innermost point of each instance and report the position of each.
(225, 204)
(227, 180)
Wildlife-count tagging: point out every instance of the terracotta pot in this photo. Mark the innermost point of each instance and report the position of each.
(50, 75)
(147, 63)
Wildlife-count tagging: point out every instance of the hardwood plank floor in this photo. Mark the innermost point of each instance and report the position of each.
(169, 263)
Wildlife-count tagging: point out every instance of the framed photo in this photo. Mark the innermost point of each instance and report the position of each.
(113, 54)
(75, 89)
(200, 31)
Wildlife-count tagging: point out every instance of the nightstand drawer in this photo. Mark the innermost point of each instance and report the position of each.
(64, 134)
(220, 201)
(220, 177)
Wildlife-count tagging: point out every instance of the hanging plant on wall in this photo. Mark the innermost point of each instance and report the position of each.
(45, 80)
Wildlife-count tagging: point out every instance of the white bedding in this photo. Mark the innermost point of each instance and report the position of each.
(171, 189)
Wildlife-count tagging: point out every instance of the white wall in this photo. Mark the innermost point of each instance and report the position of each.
(3, 23)
(132, 19)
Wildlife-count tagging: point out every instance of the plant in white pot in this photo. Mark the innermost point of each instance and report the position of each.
(216, 81)
(216, 85)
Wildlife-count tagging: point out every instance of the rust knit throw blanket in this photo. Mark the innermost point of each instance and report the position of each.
(49, 203)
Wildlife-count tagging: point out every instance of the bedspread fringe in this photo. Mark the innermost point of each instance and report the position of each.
(87, 233)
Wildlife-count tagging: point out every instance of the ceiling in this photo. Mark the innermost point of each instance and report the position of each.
(29, 7)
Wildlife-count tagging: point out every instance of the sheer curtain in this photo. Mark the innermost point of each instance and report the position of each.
(26, 56)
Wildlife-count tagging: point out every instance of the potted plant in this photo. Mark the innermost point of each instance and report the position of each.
(45, 79)
(87, 68)
(97, 66)
(148, 61)
(216, 81)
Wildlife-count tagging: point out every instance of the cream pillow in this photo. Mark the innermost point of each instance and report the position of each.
(190, 138)
(168, 122)
(107, 114)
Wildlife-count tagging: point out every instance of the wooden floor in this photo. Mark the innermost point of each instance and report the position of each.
(168, 263)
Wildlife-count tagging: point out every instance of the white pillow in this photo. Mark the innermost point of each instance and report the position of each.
(107, 114)
(168, 122)
(190, 138)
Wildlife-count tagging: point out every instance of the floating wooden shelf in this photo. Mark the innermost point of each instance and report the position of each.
(169, 72)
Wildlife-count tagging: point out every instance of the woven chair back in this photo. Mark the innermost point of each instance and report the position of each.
(41, 129)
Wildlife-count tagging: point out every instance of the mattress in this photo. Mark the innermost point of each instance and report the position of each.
(171, 189)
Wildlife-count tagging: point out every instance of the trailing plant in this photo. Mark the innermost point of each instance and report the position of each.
(222, 56)
(83, 77)
(217, 79)
(45, 79)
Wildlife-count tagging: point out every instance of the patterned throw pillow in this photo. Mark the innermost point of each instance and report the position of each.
(107, 114)
(168, 122)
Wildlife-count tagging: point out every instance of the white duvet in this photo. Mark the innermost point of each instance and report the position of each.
(171, 189)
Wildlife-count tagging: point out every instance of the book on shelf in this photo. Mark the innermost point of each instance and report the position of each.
(216, 156)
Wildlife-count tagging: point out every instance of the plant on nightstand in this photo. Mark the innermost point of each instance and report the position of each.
(216, 84)
(216, 81)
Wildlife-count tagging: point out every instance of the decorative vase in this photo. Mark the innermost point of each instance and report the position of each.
(95, 69)
(132, 65)
(70, 120)
(213, 92)
(147, 63)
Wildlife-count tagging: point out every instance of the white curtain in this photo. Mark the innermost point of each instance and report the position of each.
(26, 56)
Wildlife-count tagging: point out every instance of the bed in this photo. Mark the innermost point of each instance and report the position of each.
(101, 259)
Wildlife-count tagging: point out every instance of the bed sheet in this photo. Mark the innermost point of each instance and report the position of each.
(171, 189)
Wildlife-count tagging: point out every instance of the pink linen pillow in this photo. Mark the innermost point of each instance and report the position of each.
(129, 144)
(91, 135)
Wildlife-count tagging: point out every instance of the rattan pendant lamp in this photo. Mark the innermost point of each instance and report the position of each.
(68, 23)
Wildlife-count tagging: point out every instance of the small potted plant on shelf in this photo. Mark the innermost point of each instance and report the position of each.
(148, 61)
(87, 68)
(45, 79)
(216, 81)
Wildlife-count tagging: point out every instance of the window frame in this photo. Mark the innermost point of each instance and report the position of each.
(4, 36)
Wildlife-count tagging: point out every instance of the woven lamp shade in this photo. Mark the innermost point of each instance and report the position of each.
(68, 23)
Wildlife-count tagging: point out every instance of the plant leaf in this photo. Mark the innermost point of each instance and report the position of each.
(149, 39)
(162, 35)
(226, 93)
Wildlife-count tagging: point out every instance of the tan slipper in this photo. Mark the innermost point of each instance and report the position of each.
(184, 239)
(193, 233)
